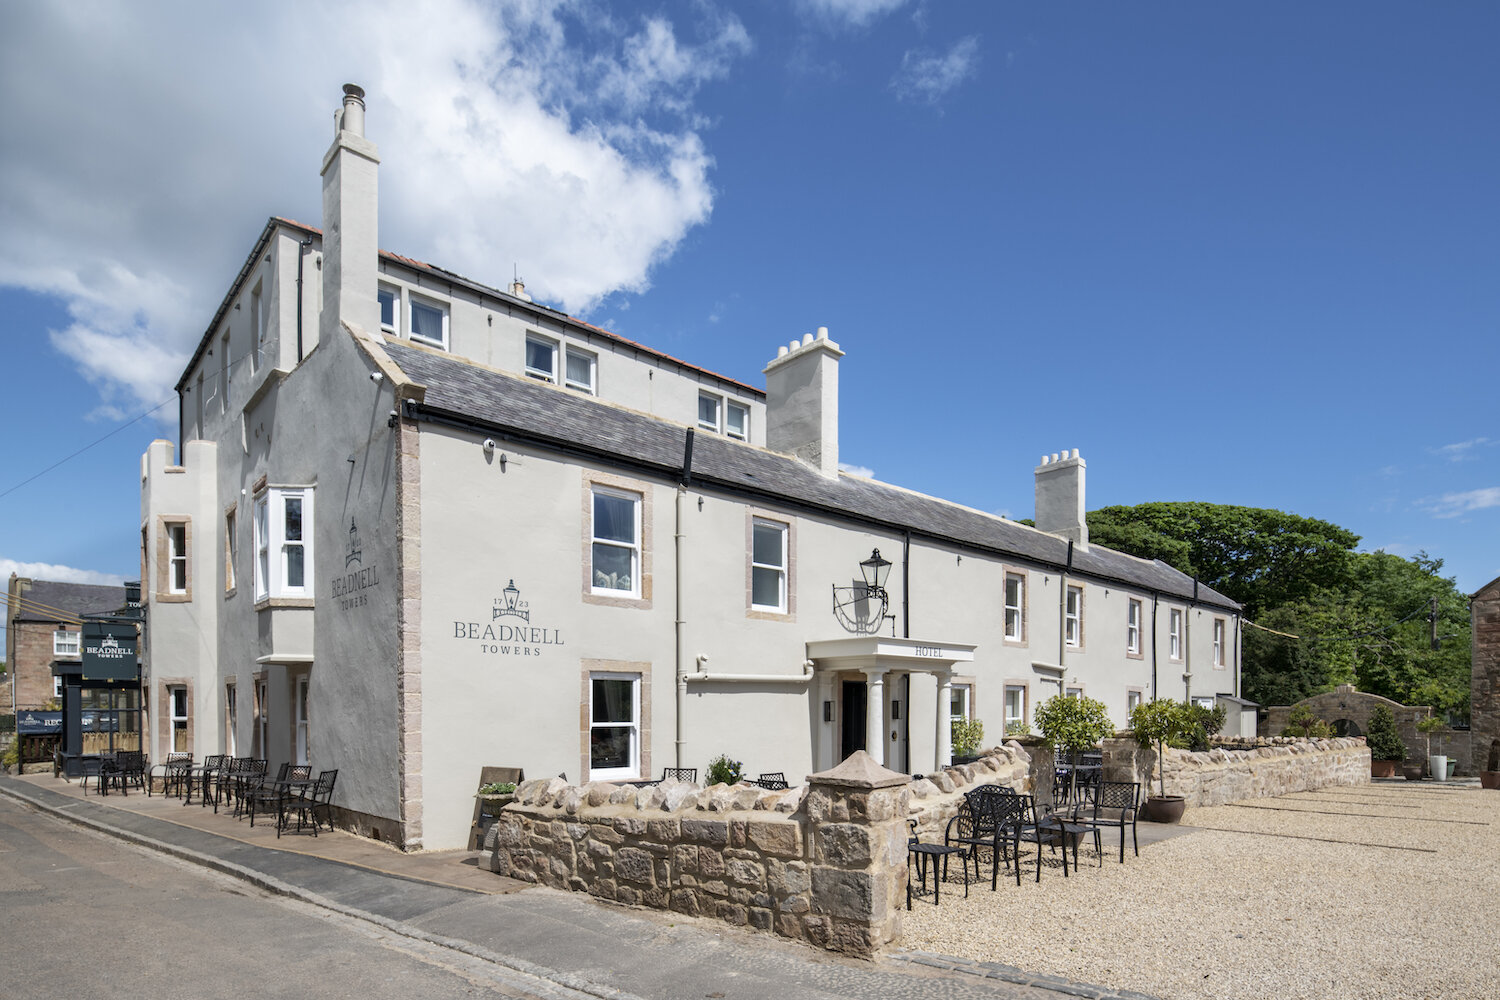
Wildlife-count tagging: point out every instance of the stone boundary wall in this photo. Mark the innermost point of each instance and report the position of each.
(823, 863)
(1344, 702)
(1223, 775)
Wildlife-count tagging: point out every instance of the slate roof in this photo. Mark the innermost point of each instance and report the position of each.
(73, 599)
(529, 411)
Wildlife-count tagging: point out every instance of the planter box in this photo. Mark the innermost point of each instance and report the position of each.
(1383, 768)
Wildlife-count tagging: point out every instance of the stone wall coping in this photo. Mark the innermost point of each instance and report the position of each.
(859, 770)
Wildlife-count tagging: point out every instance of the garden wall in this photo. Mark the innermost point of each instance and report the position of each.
(823, 863)
(1223, 775)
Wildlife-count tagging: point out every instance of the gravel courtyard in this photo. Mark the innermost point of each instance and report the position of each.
(1384, 890)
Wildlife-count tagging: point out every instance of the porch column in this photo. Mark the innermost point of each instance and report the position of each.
(875, 713)
(944, 723)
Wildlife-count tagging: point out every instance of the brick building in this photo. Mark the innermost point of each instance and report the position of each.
(1484, 690)
(42, 621)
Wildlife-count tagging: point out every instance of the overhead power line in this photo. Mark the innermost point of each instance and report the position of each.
(133, 420)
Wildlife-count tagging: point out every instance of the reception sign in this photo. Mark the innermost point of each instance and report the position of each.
(109, 652)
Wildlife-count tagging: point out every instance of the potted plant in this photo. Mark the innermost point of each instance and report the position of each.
(1490, 776)
(1386, 747)
(724, 770)
(1073, 725)
(1155, 724)
(1437, 763)
(968, 734)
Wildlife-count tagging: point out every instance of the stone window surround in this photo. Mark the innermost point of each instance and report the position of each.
(1006, 573)
(1068, 588)
(293, 675)
(642, 488)
(1181, 618)
(642, 671)
(966, 681)
(260, 713)
(1025, 686)
(1140, 628)
(1221, 635)
(231, 548)
(752, 514)
(164, 558)
(165, 686)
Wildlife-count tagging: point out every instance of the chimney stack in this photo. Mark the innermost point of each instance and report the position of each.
(350, 206)
(1059, 497)
(802, 402)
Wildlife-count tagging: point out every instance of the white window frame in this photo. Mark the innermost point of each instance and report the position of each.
(1174, 634)
(177, 557)
(735, 406)
(231, 547)
(633, 769)
(549, 345)
(395, 295)
(964, 695)
(231, 716)
(57, 687)
(271, 540)
(416, 302)
(637, 502)
(1132, 701)
(1015, 614)
(262, 717)
(178, 720)
(1073, 692)
(1133, 626)
(65, 643)
(1204, 701)
(302, 745)
(569, 355)
(1019, 690)
(716, 425)
(784, 532)
(1220, 631)
(257, 329)
(1073, 617)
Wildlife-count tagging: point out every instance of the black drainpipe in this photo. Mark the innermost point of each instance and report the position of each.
(1154, 598)
(301, 253)
(906, 591)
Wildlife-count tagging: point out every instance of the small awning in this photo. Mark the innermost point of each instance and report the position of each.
(868, 651)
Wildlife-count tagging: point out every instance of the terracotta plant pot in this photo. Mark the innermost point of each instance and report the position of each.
(1164, 809)
(1382, 769)
(1489, 779)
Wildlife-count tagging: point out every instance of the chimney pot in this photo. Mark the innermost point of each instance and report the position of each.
(822, 333)
(353, 117)
(807, 338)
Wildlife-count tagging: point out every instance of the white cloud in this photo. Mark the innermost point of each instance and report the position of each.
(57, 574)
(857, 470)
(850, 13)
(1455, 504)
(153, 141)
(1462, 450)
(926, 77)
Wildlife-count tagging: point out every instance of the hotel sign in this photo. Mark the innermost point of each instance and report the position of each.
(109, 652)
(509, 638)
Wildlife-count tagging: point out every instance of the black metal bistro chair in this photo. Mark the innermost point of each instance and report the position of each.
(271, 796)
(935, 853)
(1116, 803)
(170, 771)
(207, 777)
(688, 774)
(773, 781)
(307, 804)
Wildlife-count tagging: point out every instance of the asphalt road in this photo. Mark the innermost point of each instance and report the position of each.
(89, 915)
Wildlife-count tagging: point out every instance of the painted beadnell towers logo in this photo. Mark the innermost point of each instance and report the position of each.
(503, 638)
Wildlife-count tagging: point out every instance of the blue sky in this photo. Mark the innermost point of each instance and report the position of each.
(1242, 253)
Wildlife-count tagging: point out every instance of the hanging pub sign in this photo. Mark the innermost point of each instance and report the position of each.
(109, 652)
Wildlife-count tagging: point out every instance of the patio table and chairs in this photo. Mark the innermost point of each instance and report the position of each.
(290, 780)
(1115, 804)
(172, 772)
(936, 853)
(307, 801)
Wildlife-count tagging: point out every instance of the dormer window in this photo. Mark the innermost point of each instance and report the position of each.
(737, 421)
(390, 305)
(708, 412)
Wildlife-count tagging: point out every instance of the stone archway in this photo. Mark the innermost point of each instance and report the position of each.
(1348, 711)
(1347, 727)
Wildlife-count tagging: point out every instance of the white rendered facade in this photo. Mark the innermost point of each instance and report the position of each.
(433, 526)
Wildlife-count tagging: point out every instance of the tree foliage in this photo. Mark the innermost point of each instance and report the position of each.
(1361, 618)
(1073, 724)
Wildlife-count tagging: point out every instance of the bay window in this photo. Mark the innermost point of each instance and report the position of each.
(283, 543)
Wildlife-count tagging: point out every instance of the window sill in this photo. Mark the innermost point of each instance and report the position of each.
(621, 601)
(229, 593)
(270, 603)
(175, 598)
(768, 615)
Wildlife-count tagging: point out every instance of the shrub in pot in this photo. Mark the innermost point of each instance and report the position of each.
(1490, 776)
(1386, 747)
(968, 734)
(1156, 724)
(1427, 727)
(1073, 725)
(724, 770)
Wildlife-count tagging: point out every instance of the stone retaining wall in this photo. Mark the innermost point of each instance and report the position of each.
(1222, 775)
(823, 863)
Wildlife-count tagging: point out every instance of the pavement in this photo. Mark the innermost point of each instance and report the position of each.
(573, 942)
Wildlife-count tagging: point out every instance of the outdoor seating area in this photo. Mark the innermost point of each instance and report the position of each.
(240, 784)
